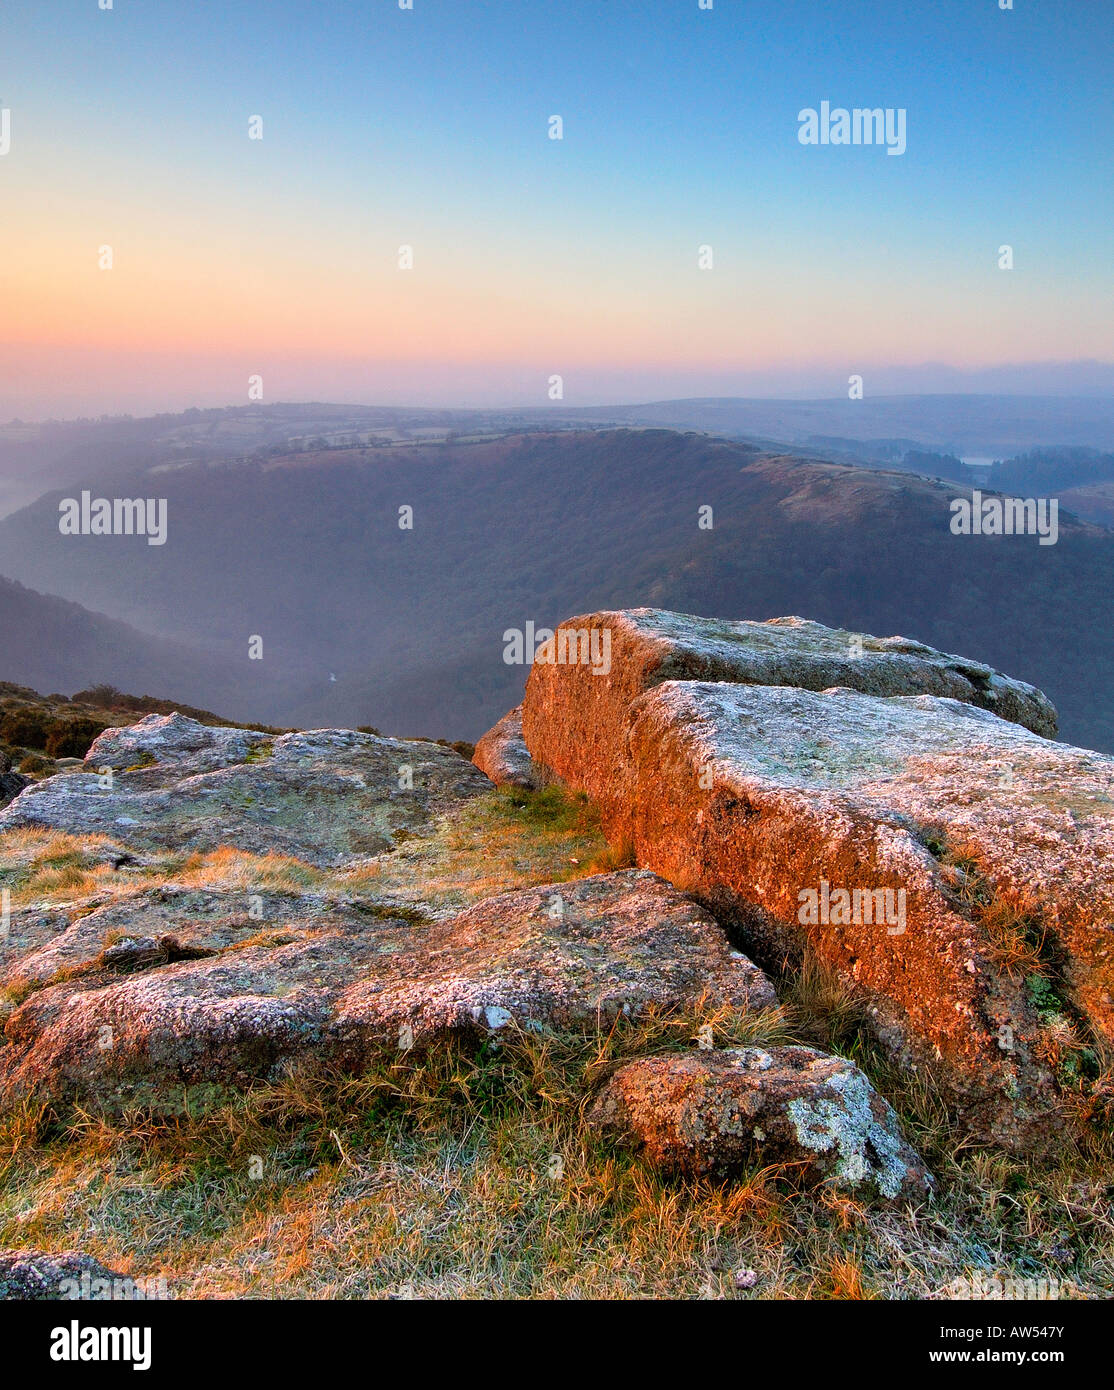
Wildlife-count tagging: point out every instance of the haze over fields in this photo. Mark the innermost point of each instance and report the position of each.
(596, 223)
(556, 666)
(363, 621)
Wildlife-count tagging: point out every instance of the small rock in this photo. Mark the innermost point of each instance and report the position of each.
(37, 1276)
(503, 756)
(719, 1112)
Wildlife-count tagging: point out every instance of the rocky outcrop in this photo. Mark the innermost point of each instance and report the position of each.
(968, 860)
(956, 868)
(952, 866)
(36, 1276)
(718, 1112)
(137, 990)
(575, 713)
(206, 997)
(324, 796)
(502, 754)
(567, 954)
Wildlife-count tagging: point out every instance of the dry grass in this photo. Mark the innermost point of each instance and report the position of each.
(827, 1012)
(46, 864)
(504, 840)
(1012, 926)
(472, 1174)
(1021, 947)
(498, 842)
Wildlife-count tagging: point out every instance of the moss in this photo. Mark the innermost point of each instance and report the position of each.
(11, 996)
(1043, 996)
(552, 808)
(936, 844)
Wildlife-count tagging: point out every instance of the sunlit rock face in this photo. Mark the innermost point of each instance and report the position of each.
(953, 866)
(502, 755)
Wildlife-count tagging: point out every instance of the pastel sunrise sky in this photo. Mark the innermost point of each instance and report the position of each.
(429, 127)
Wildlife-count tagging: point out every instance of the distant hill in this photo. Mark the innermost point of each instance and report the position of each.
(305, 551)
(53, 644)
(1094, 501)
(993, 425)
(35, 457)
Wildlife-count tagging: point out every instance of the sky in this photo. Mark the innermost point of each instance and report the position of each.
(535, 258)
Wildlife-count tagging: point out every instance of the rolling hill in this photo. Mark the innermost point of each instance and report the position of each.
(362, 621)
(53, 644)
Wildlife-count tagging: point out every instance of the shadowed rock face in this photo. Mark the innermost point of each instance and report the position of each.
(717, 1112)
(12, 783)
(996, 844)
(502, 754)
(323, 796)
(574, 720)
(335, 977)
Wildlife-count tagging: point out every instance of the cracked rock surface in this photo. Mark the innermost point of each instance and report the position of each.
(907, 823)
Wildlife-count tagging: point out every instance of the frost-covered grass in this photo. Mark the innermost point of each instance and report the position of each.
(473, 1175)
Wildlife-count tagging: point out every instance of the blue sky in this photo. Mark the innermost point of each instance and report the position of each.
(429, 126)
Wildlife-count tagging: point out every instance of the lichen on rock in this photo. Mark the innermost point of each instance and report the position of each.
(719, 1112)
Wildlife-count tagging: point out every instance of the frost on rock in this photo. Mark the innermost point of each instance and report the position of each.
(756, 762)
(721, 1112)
(866, 1149)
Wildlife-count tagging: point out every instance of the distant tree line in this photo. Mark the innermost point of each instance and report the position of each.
(936, 465)
(1049, 471)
